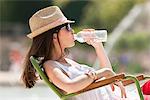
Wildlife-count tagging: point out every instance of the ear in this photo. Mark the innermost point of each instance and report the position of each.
(54, 37)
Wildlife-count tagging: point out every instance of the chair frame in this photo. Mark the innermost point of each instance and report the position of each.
(94, 85)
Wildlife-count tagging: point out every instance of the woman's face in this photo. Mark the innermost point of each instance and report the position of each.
(66, 37)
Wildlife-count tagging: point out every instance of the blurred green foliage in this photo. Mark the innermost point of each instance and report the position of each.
(115, 67)
(134, 41)
(20, 11)
(101, 14)
(106, 14)
(131, 68)
(97, 14)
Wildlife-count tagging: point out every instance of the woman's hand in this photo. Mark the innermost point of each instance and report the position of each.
(90, 38)
(122, 89)
(107, 72)
(92, 74)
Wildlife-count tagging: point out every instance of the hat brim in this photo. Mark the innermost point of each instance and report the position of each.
(46, 28)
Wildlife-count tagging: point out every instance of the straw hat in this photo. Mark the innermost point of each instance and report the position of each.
(46, 19)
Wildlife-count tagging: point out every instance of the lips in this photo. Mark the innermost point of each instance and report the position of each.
(73, 39)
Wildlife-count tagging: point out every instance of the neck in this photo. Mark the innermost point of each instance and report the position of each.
(57, 53)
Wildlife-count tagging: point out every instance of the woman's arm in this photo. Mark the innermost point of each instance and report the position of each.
(108, 73)
(103, 58)
(70, 85)
(104, 72)
(62, 81)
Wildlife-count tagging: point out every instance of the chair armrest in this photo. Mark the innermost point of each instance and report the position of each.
(129, 81)
(121, 77)
(126, 80)
(100, 83)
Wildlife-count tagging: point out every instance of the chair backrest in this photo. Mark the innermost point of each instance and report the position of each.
(51, 85)
(43, 76)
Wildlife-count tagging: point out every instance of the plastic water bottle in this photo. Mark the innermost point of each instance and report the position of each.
(101, 36)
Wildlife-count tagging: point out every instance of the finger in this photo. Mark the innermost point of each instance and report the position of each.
(122, 89)
(91, 75)
(123, 93)
(94, 74)
(87, 40)
(88, 29)
(112, 87)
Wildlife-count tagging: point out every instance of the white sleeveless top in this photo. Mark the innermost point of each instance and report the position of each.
(102, 93)
(74, 71)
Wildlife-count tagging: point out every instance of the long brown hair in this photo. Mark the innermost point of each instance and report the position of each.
(41, 47)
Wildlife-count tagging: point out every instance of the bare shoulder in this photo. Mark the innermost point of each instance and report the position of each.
(49, 64)
(54, 72)
(51, 68)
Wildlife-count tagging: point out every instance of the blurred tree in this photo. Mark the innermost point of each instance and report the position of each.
(20, 11)
(15, 15)
(91, 13)
(136, 42)
(106, 14)
(73, 9)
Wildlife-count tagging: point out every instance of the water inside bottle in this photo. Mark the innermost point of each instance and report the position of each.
(78, 38)
(101, 36)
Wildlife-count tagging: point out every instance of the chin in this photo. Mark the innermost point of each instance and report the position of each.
(71, 45)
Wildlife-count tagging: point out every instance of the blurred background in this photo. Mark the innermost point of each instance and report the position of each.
(128, 45)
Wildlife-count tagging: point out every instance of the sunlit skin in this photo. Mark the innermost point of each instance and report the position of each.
(60, 79)
(66, 40)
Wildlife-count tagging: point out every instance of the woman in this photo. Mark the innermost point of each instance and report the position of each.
(52, 35)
